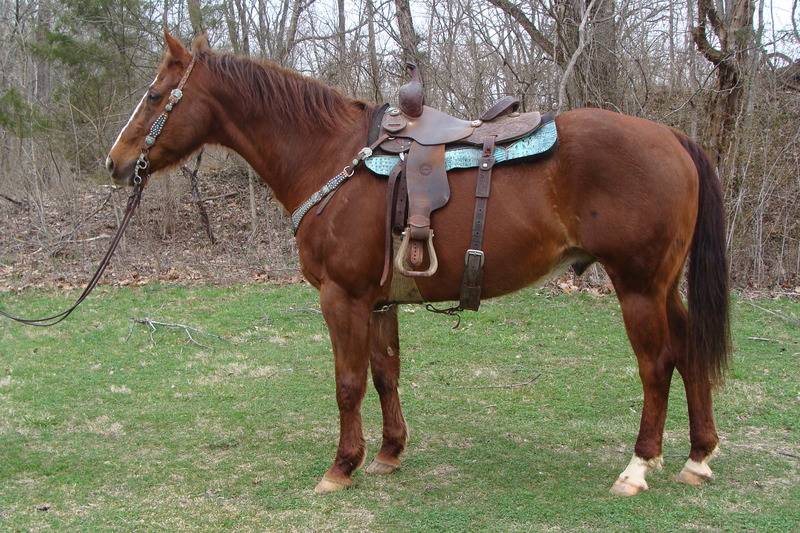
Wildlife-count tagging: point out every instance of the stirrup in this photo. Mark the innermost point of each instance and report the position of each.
(400, 259)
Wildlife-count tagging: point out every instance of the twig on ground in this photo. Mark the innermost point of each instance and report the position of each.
(512, 386)
(792, 455)
(301, 310)
(154, 324)
(187, 329)
(266, 317)
(761, 448)
(13, 201)
(764, 339)
(778, 314)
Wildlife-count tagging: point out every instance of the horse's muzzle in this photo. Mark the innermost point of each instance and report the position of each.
(122, 176)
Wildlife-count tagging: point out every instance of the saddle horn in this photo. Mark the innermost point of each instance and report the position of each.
(411, 97)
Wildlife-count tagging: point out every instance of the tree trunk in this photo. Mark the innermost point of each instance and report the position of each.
(373, 53)
(733, 30)
(584, 48)
(244, 24)
(195, 17)
(603, 66)
(409, 40)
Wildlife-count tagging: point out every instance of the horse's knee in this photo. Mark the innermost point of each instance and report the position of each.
(350, 392)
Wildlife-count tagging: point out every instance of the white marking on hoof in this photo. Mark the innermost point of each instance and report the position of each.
(632, 480)
(327, 485)
(380, 467)
(696, 473)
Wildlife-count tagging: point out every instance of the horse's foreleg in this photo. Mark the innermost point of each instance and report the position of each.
(385, 361)
(646, 323)
(702, 431)
(348, 323)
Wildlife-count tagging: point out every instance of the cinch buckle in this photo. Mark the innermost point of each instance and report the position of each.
(474, 253)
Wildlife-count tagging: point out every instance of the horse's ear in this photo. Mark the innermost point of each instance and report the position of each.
(200, 44)
(176, 50)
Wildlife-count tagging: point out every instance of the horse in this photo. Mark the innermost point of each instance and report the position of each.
(640, 198)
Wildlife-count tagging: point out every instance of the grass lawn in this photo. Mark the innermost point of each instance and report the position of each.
(119, 420)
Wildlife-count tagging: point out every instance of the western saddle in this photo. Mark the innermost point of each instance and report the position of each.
(418, 183)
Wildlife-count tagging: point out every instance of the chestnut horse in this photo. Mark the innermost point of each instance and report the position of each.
(639, 197)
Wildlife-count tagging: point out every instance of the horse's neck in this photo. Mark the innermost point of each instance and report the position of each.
(291, 155)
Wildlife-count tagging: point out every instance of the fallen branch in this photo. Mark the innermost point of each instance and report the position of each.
(763, 339)
(784, 293)
(15, 202)
(778, 314)
(152, 324)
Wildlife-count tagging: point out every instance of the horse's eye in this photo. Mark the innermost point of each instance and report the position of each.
(153, 97)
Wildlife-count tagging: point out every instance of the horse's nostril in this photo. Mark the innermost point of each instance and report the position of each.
(109, 164)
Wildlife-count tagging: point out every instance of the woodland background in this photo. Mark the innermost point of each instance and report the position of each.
(725, 71)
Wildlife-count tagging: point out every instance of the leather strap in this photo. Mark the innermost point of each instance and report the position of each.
(401, 206)
(133, 203)
(392, 199)
(473, 271)
(375, 126)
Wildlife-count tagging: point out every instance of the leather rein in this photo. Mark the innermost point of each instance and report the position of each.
(140, 175)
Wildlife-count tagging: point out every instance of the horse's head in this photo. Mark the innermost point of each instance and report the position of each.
(182, 134)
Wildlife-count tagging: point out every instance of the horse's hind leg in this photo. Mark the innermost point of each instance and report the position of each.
(385, 362)
(702, 431)
(647, 326)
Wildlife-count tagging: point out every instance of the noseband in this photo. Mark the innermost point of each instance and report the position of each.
(139, 175)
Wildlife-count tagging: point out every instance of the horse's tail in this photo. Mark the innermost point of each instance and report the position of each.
(709, 321)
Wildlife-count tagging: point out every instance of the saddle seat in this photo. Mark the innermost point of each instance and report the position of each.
(434, 127)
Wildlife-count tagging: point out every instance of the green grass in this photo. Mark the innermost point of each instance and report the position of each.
(106, 425)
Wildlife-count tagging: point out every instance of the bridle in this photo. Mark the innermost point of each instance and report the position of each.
(143, 162)
(140, 175)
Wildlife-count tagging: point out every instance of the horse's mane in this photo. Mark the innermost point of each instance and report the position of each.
(267, 88)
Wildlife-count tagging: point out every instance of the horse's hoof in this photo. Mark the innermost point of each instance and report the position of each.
(691, 478)
(692, 475)
(631, 481)
(327, 485)
(380, 467)
(625, 487)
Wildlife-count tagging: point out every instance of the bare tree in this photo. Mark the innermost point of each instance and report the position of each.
(583, 45)
(731, 25)
(409, 40)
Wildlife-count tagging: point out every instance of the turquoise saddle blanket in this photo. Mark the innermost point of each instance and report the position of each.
(535, 143)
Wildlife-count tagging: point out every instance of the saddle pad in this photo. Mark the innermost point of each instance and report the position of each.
(536, 143)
